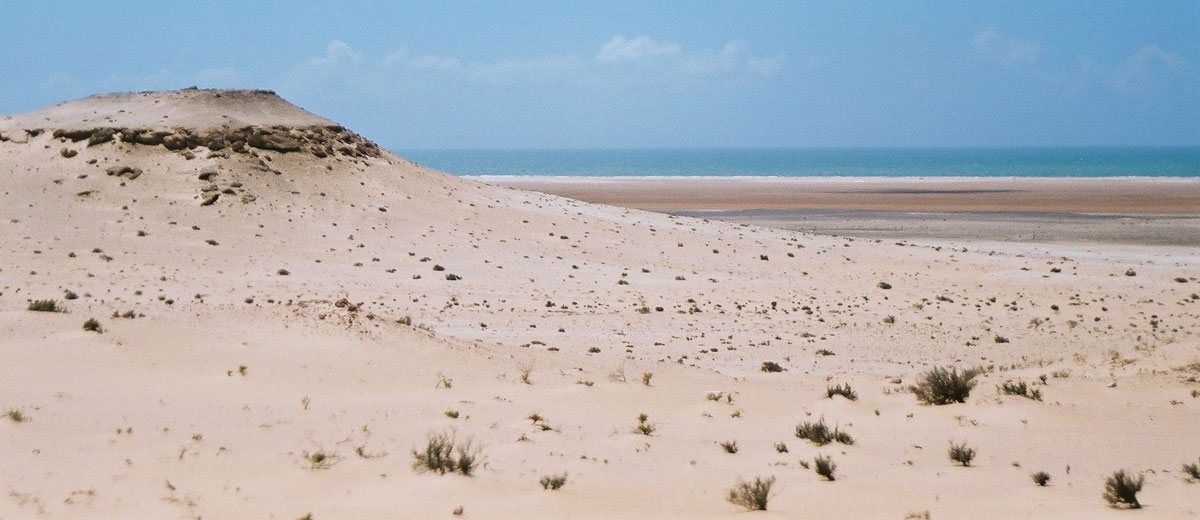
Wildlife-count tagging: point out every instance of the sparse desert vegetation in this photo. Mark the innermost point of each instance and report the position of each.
(1120, 490)
(940, 386)
(552, 482)
(824, 466)
(45, 306)
(1021, 389)
(843, 390)
(753, 495)
(961, 453)
(821, 434)
(443, 454)
(644, 426)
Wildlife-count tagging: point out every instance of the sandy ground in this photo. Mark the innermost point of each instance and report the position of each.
(316, 316)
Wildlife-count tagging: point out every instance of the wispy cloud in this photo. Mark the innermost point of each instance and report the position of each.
(997, 47)
(620, 49)
(620, 60)
(1147, 70)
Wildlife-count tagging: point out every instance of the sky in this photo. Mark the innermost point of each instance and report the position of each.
(645, 74)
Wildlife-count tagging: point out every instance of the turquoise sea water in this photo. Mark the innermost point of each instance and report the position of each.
(806, 162)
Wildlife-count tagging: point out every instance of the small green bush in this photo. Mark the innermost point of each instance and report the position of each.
(961, 454)
(940, 386)
(15, 415)
(644, 427)
(45, 306)
(842, 390)
(91, 325)
(752, 495)
(1021, 389)
(442, 454)
(820, 434)
(824, 466)
(552, 482)
(1121, 490)
(319, 460)
(730, 446)
(771, 366)
(1041, 478)
(1192, 470)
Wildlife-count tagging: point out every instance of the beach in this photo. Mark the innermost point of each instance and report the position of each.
(1148, 211)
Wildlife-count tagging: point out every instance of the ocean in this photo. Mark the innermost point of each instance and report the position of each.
(819, 162)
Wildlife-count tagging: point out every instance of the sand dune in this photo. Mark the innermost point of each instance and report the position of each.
(293, 290)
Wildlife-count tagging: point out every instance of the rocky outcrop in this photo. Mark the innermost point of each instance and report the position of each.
(319, 141)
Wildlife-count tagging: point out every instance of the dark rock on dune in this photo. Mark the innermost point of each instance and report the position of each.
(101, 136)
(74, 134)
(124, 171)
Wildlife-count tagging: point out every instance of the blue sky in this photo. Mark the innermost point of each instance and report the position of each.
(452, 74)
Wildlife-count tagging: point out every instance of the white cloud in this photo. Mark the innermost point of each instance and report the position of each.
(434, 62)
(1146, 69)
(619, 49)
(620, 61)
(994, 46)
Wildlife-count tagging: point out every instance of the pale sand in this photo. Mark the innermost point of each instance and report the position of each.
(152, 419)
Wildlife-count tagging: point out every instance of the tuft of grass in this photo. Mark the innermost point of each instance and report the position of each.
(453, 414)
(1120, 490)
(820, 434)
(45, 306)
(552, 482)
(824, 467)
(781, 447)
(16, 415)
(730, 446)
(842, 390)
(443, 454)
(525, 369)
(319, 460)
(1041, 478)
(646, 377)
(644, 427)
(752, 495)
(771, 366)
(1192, 470)
(91, 325)
(1021, 389)
(941, 386)
(961, 454)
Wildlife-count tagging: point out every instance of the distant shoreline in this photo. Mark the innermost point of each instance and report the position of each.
(1093, 196)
